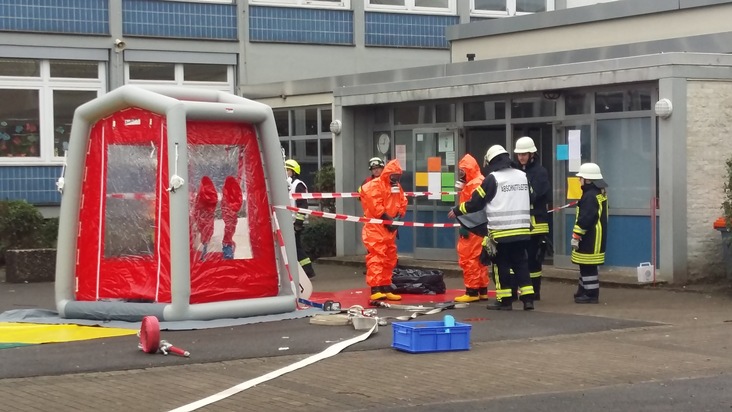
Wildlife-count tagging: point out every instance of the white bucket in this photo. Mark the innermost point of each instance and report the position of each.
(645, 272)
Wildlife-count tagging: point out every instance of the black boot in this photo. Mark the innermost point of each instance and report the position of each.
(588, 297)
(504, 304)
(536, 282)
(483, 293)
(528, 301)
(580, 291)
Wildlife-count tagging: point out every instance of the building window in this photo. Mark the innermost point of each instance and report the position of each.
(305, 136)
(623, 101)
(413, 6)
(74, 69)
(213, 76)
(330, 4)
(152, 71)
(504, 8)
(532, 107)
(19, 123)
(480, 111)
(37, 102)
(626, 155)
(65, 103)
(20, 67)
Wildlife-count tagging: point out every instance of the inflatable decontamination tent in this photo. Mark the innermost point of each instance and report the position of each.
(167, 209)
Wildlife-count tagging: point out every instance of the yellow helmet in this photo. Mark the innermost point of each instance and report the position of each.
(292, 165)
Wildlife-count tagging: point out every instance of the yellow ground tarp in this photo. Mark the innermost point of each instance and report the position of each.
(30, 333)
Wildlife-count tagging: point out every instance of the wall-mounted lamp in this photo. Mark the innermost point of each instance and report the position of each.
(470, 56)
(552, 94)
(663, 108)
(336, 126)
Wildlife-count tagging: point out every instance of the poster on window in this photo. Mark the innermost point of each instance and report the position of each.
(575, 150)
(401, 155)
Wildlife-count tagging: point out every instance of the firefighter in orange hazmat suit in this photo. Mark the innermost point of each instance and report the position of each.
(469, 246)
(382, 198)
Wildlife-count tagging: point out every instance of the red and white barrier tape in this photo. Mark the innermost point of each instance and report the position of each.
(349, 218)
(132, 196)
(281, 241)
(570, 204)
(151, 196)
(356, 194)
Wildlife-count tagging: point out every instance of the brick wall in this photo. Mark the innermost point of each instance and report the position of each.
(709, 144)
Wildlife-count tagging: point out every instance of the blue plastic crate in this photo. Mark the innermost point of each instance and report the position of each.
(430, 336)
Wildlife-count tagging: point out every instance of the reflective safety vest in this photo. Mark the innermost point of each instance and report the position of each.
(293, 202)
(508, 212)
(593, 207)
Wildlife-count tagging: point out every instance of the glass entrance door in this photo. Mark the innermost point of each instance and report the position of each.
(578, 139)
(433, 170)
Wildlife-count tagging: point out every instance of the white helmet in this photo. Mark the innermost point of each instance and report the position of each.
(494, 151)
(525, 145)
(589, 171)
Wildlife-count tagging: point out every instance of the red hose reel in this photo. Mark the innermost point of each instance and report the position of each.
(150, 341)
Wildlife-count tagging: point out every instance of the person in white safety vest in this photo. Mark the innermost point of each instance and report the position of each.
(504, 196)
(296, 185)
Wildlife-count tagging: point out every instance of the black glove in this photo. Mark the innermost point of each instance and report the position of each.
(299, 225)
(390, 228)
(464, 233)
(484, 258)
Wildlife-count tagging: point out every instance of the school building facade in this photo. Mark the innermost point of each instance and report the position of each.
(414, 80)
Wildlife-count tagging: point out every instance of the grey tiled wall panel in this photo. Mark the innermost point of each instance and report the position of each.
(179, 19)
(408, 30)
(36, 184)
(300, 25)
(55, 16)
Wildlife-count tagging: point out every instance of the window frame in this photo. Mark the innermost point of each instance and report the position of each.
(46, 85)
(321, 135)
(410, 7)
(206, 1)
(310, 4)
(179, 78)
(510, 9)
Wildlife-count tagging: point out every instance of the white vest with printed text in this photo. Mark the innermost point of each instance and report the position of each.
(509, 209)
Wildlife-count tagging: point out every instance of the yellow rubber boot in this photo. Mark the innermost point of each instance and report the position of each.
(378, 296)
(392, 296)
(466, 298)
(483, 293)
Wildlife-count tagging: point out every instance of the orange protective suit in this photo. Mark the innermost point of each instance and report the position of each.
(378, 200)
(475, 274)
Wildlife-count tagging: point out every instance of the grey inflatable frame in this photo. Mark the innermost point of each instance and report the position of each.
(177, 104)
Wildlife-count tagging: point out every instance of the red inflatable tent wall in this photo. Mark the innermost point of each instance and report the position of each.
(122, 148)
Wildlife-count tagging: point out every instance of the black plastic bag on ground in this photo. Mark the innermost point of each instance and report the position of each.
(418, 281)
